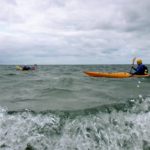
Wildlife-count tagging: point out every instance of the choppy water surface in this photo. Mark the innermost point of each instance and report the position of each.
(60, 108)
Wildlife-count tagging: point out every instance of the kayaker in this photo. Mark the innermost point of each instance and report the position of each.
(34, 67)
(26, 68)
(141, 69)
(29, 67)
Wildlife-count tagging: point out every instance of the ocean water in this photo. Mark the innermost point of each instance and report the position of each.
(57, 107)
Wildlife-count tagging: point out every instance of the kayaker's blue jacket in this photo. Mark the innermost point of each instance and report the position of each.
(141, 69)
(26, 68)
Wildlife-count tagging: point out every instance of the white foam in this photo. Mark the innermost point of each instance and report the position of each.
(106, 131)
(19, 130)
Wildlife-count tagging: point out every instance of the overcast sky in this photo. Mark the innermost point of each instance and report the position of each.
(74, 31)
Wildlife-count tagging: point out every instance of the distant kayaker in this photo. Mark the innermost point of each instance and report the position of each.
(24, 68)
(141, 69)
(34, 67)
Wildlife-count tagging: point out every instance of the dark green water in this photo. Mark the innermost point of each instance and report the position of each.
(60, 108)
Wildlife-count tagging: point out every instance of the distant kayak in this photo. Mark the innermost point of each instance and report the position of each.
(113, 74)
(25, 68)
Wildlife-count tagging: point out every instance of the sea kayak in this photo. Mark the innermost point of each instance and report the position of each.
(113, 74)
(20, 68)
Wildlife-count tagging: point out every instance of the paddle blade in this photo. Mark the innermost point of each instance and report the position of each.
(133, 60)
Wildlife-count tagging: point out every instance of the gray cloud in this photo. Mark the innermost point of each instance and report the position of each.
(38, 31)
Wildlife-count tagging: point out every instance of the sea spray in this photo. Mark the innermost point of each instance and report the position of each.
(119, 130)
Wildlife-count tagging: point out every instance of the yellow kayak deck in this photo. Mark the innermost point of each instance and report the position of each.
(19, 68)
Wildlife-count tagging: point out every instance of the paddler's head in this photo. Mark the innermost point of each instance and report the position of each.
(139, 61)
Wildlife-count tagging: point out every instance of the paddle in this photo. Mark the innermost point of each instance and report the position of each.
(133, 60)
